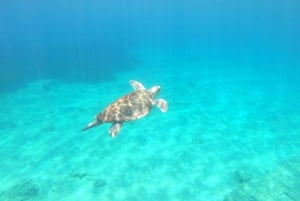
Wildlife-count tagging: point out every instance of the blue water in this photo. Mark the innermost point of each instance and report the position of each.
(229, 70)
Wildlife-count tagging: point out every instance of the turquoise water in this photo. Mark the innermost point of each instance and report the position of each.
(212, 130)
(229, 71)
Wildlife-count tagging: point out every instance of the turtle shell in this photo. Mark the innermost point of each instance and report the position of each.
(127, 108)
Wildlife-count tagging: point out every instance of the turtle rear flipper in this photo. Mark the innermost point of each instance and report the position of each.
(115, 129)
(161, 104)
(92, 124)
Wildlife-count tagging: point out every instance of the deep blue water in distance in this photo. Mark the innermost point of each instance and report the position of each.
(230, 71)
(92, 40)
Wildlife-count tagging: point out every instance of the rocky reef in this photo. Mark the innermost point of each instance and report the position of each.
(281, 184)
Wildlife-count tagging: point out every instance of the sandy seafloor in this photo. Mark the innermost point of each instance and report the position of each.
(221, 133)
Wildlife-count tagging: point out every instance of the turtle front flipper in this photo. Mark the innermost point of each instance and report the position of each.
(115, 129)
(136, 85)
(161, 104)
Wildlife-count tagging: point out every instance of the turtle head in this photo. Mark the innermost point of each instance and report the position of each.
(154, 91)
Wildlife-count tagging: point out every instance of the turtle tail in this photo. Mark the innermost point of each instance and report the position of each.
(92, 124)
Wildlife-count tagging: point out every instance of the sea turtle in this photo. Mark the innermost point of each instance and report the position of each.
(129, 107)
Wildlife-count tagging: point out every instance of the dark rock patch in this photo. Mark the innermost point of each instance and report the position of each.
(23, 190)
(99, 183)
(243, 175)
(6, 124)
